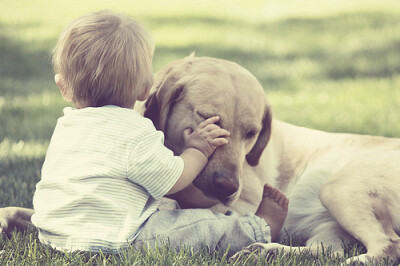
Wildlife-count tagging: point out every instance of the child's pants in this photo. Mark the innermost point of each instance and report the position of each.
(199, 228)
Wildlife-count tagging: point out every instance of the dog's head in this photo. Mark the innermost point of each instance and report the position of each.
(190, 90)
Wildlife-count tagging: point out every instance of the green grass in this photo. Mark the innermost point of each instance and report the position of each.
(330, 65)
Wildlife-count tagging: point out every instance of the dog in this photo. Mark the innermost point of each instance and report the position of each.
(342, 187)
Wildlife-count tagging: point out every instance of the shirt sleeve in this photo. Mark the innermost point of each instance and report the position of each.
(153, 166)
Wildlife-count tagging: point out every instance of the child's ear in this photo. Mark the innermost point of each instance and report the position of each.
(60, 84)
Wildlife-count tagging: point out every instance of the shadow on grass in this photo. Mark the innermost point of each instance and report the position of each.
(22, 71)
(18, 60)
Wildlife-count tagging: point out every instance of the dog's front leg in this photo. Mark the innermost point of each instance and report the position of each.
(268, 249)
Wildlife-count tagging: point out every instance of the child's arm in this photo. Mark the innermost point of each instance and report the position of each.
(199, 145)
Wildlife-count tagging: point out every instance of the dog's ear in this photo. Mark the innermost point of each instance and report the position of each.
(254, 155)
(161, 100)
(168, 86)
(152, 109)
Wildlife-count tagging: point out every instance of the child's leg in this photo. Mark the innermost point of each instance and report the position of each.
(198, 228)
(273, 209)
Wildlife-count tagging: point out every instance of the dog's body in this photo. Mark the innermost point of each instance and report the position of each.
(341, 186)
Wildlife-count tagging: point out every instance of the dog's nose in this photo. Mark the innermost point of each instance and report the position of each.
(225, 187)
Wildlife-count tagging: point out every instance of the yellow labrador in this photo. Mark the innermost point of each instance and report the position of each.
(341, 187)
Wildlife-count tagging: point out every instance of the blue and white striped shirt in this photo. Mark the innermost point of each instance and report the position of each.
(105, 170)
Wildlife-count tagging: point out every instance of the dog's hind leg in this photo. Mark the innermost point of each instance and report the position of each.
(363, 206)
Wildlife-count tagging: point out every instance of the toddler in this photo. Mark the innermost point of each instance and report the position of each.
(106, 167)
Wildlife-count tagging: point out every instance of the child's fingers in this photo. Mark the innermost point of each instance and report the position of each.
(218, 132)
(208, 121)
(219, 141)
(210, 127)
(186, 133)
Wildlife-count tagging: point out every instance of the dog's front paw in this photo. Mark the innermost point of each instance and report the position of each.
(363, 259)
(259, 249)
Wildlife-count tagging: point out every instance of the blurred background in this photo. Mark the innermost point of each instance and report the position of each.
(329, 65)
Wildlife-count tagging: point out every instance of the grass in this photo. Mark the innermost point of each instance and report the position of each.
(330, 65)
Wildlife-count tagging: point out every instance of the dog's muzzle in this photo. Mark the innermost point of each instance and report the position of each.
(225, 188)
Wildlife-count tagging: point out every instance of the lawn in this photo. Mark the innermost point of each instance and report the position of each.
(330, 65)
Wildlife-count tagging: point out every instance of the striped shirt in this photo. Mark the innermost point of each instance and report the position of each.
(105, 170)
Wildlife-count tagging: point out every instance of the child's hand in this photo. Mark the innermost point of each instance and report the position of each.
(206, 137)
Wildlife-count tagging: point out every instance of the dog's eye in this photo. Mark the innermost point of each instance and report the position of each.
(250, 134)
(203, 115)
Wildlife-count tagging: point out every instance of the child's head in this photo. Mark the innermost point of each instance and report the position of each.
(104, 59)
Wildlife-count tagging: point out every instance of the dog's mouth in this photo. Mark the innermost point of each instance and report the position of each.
(226, 197)
(227, 201)
(219, 185)
(230, 199)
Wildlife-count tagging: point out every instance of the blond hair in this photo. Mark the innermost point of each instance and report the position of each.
(104, 59)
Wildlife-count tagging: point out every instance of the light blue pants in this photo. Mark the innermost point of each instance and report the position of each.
(202, 228)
